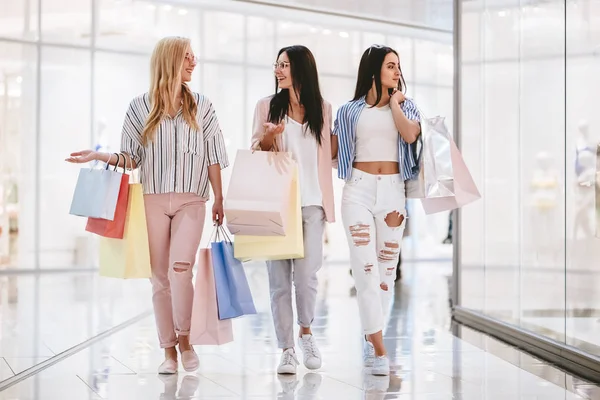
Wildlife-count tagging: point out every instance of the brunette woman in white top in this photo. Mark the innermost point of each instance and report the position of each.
(298, 120)
(372, 137)
(173, 136)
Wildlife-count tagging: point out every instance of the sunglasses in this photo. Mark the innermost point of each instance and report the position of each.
(374, 46)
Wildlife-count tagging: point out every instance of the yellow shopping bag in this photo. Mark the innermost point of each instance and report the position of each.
(129, 257)
(276, 247)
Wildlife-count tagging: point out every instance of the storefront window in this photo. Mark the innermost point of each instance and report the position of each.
(529, 134)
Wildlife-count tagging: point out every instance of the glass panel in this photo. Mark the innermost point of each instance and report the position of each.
(19, 19)
(502, 216)
(65, 127)
(515, 149)
(337, 91)
(473, 227)
(222, 85)
(137, 26)
(371, 38)
(261, 41)
(67, 24)
(582, 138)
(261, 84)
(18, 112)
(472, 218)
(223, 36)
(433, 63)
(118, 79)
(542, 164)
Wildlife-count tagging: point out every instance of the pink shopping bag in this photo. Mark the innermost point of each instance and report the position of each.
(206, 328)
(259, 190)
(465, 191)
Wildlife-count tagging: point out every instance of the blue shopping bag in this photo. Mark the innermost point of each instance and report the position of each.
(234, 298)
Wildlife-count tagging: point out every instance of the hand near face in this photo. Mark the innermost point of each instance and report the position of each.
(397, 96)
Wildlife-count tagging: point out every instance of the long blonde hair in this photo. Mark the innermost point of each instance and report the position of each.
(165, 77)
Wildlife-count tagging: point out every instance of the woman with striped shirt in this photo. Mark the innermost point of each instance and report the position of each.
(172, 135)
(372, 137)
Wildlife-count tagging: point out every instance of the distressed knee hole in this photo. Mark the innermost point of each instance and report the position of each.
(390, 252)
(384, 286)
(180, 267)
(360, 234)
(394, 219)
(368, 268)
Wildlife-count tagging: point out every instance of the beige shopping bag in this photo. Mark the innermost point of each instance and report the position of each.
(276, 247)
(129, 257)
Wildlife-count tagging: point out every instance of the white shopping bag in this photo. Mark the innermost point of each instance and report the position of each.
(436, 176)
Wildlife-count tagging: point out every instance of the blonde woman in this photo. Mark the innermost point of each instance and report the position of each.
(172, 135)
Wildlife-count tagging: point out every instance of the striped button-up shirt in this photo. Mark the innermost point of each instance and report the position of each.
(177, 159)
(345, 129)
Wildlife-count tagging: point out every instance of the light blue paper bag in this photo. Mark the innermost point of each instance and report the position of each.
(96, 193)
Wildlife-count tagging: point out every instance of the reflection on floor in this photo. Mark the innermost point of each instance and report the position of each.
(428, 362)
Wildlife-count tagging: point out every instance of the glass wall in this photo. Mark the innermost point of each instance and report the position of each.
(529, 132)
(69, 69)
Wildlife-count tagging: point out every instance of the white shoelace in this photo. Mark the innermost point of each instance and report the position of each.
(289, 358)
(310, 348)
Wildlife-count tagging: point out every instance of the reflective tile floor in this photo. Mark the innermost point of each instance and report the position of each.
(429, 363)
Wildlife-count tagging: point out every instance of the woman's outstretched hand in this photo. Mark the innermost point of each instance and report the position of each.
(81, 157)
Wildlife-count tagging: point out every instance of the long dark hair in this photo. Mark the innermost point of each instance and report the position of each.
(305, 79)
(370, 68)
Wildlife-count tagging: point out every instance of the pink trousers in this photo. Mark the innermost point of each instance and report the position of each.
(175, 222)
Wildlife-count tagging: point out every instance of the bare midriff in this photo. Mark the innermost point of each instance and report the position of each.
(378, 167)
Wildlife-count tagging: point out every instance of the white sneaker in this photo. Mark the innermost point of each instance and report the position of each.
(288, 362)
(368, 353)
(381, 366)
(312, 355)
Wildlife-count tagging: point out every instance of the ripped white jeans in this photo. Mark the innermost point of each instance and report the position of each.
(374, 216)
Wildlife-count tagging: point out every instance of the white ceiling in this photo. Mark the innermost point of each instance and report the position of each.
(434, 13)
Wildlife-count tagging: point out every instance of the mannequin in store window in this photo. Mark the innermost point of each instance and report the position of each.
(175, 177)
(585, 175)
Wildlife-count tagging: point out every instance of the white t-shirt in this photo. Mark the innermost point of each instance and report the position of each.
(298, 140)
(376, 135)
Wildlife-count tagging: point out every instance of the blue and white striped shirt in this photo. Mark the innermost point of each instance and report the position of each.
(344, 128)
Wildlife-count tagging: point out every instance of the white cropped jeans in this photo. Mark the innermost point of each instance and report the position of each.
(374, 217)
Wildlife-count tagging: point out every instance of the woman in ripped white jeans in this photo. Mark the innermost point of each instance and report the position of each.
(372, 137)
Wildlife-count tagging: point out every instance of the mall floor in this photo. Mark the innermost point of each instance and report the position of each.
(45, 315)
